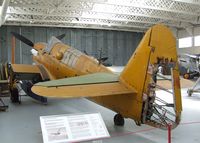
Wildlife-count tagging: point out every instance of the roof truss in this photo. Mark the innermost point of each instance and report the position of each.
(129, 15)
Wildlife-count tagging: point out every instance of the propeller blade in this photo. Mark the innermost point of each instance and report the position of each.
(85, 52)
(103, 59)
(23, 39)
(60, 37)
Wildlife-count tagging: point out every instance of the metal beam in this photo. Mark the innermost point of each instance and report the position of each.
(144, 5)
(134, 3)
(193, 2)
(67, 15)
(76, 26)
(116, 16)
(79, 22)
(109, 20)
(55, 8)
(3, 11)
(110, 11)
(176, 13)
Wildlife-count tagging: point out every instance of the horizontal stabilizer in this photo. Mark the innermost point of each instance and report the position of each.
(86, 79)
(99, 84)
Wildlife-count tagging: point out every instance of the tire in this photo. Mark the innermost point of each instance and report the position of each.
(119, 120)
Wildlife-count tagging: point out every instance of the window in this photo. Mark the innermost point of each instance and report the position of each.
(185, 42)
(197, 40)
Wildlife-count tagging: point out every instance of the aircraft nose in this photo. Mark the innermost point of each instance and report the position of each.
(39, 46)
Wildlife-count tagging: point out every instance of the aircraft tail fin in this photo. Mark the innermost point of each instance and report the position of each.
(156, 50)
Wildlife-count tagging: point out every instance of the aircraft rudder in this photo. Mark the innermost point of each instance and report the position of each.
(157, 49)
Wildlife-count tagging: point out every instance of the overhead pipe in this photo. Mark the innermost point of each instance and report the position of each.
(3, 11)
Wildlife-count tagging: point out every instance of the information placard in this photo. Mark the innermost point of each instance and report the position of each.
(72, 128)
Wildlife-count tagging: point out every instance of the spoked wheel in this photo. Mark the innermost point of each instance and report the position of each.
(119, 120)
(14, 95)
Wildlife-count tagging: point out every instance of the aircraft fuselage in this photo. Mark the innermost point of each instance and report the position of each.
(63, 61)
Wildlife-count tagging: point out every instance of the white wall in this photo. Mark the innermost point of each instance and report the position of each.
(189, 32)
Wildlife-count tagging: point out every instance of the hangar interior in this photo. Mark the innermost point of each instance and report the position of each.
(98, 28)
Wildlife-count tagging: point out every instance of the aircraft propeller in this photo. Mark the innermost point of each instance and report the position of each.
(60, 37)
(23, 39)
(29, 42)
(100, 59)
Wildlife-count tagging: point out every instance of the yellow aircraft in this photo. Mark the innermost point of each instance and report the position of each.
(132, 94)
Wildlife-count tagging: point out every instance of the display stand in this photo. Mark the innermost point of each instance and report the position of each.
(73, 128)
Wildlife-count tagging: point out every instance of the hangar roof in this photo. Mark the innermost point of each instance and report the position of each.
(125, 15)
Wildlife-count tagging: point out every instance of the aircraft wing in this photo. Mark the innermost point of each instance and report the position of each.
(25, 72)
(92, 85)
(193, 56)
(22, 68)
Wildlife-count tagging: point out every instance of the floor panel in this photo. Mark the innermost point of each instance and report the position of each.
(20, 124)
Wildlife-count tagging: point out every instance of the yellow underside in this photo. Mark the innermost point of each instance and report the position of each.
(19, 68)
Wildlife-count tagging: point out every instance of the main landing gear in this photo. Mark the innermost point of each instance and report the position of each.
(119, 120)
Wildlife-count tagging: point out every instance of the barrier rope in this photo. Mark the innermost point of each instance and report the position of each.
(152, 128)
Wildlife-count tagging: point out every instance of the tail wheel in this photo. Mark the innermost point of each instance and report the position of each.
(119, 120)
(14, 95)
(186, 76)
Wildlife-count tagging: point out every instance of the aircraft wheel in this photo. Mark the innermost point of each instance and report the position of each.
(119, 120)
(186, 76)
(14, 95)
